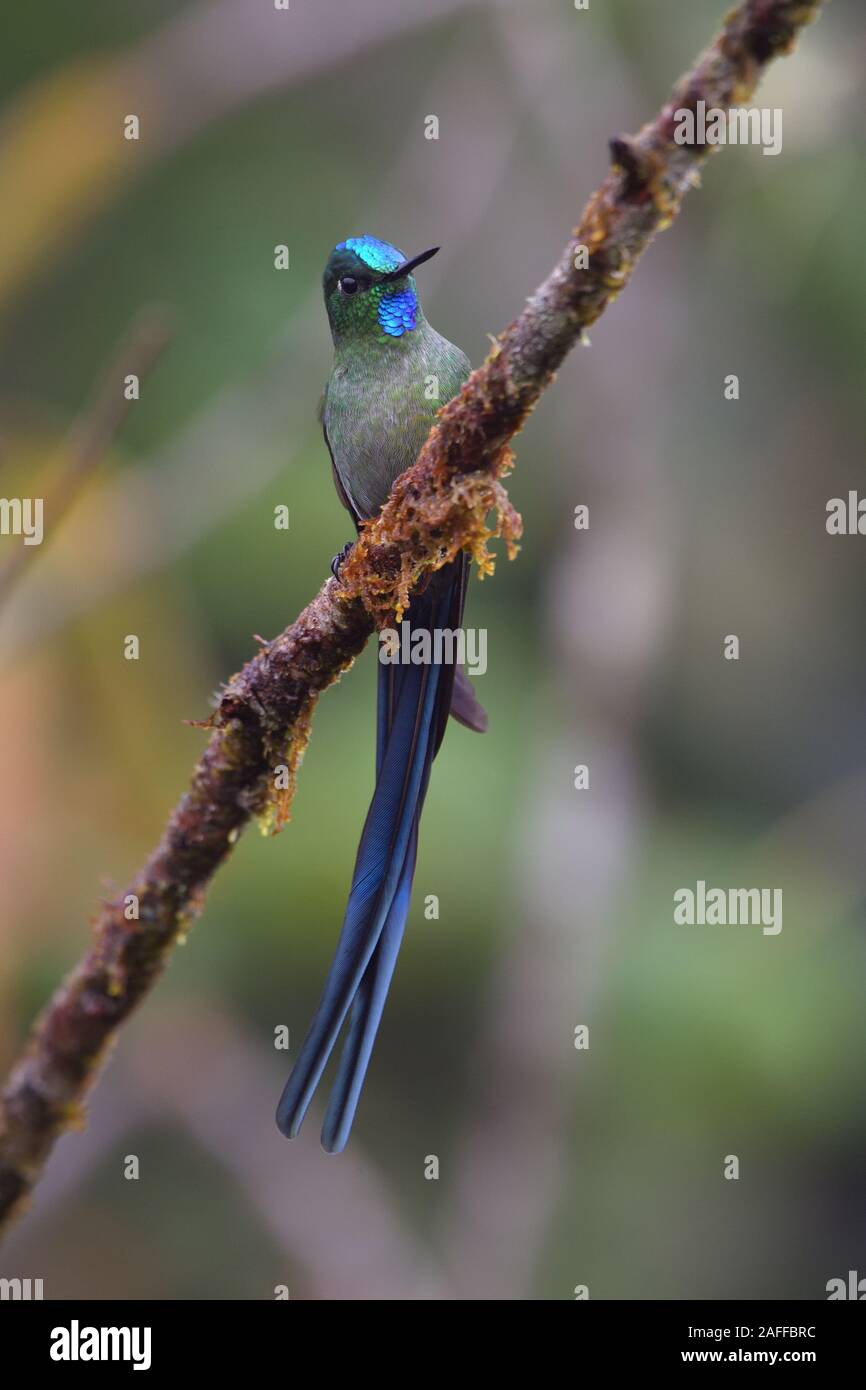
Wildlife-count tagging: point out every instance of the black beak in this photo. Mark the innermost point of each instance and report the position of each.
(408, 266)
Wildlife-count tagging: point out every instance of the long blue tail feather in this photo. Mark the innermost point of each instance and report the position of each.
(369, 1002)
(367, 1008)
(377, 871)
(411, 720)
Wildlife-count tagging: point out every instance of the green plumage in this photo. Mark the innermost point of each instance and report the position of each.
(386, 386)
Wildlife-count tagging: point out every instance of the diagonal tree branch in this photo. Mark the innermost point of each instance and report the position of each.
(436, 508)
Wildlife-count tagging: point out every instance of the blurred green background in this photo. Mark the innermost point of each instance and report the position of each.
(557, 1167)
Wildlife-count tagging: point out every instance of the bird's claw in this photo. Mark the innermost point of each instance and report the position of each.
(337, 561)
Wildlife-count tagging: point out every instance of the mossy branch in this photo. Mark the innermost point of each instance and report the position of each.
(438, 507)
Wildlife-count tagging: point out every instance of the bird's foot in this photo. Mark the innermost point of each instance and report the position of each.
(337, 561)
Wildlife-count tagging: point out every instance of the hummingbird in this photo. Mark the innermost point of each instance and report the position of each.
(391, 374)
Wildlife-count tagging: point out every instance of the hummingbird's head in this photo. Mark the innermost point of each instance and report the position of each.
(370, 290)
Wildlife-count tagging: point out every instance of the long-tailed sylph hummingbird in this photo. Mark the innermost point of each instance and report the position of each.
(392, 372)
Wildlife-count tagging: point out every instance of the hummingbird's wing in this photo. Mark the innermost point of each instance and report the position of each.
(338, 482)
(465, 706)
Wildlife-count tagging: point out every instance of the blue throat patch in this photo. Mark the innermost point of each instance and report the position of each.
(398, 311)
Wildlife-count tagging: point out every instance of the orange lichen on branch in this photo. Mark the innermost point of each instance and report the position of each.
(433, 513)
(276, 812)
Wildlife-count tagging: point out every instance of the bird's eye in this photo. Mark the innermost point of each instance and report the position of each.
(349, 285)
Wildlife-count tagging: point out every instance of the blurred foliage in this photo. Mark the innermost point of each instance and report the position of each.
(703, 1043)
